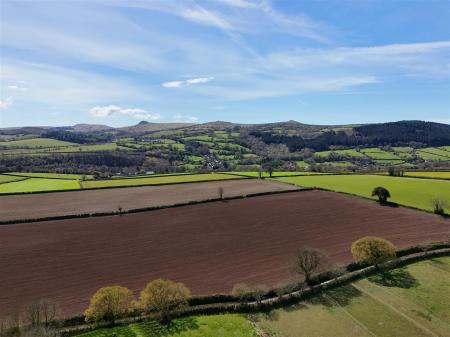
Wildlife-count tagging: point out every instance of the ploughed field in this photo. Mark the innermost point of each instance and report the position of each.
(32, 206)
(209, 246)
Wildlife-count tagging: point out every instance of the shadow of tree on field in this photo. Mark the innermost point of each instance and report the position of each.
(399, 278)
(389, 204)
(341, 296)
(294, 307)
(177, 326)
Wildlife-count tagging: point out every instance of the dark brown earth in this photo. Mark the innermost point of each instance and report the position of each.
(29, 206)
(210, 247)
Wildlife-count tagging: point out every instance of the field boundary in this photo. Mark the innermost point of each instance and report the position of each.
(268, 303)
(15, 181)
(149, 209)
(110, 187)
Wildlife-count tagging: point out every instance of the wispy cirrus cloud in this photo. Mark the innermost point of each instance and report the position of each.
(184, 83)
(17, 87)
(108, 110)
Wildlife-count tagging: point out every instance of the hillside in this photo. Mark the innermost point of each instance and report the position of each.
(169, 147)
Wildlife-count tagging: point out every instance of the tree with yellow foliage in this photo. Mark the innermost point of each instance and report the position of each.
(162, 296)
(109, 303)
(373, 250)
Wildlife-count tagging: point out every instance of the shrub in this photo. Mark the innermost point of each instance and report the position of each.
(372, 250)
(109, 303)
(382, 194)
(242, 292)
(438, 205)
(163, 296)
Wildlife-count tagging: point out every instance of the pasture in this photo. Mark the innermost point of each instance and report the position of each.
(35, 143)
(429, 174)
(4, 178)
(230, 325)
(405, 302)
(51, 175)
(405, 191)
(39, 184)
(209, 246)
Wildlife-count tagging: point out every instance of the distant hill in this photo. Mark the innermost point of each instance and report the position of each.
(145, 127)
(90, 127)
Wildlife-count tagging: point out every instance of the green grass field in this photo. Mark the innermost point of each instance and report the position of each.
(405, 191)
(171, 179)
(350, 152)
(339, 163)
(406, 302)
(433, 154)
(429, 174)
(39, 184)
(51, 175)
(231, 325)
(7, 179)
(274, 174)
(376, 153)
(35, 143)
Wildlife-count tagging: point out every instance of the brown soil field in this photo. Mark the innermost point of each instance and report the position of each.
(16, 207)
(210, 246)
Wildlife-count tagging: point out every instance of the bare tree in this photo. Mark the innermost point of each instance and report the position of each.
(40, 313)
(308, 261)
(258, 293)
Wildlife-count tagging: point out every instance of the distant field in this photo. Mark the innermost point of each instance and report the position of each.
(274, 174)
(379, 154)
(405, 302)
(155, 180)
(430, 174)
(35, 143)
(51, 175)
(39, 184)
(229, 325)
(339, 163)
(431, 153)
(6, 179)
(350, 152)
(406, 191)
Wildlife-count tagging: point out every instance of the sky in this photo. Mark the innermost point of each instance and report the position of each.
(64, 62)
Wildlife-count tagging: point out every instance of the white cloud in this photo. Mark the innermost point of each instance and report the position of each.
(17, 87)
(108, 110)
(179, 84)
(180, 118)
(6, 103)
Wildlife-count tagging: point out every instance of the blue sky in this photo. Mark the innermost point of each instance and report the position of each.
(319, 62)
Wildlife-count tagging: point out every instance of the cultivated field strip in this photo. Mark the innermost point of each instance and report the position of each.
(32, 206)
(210, 246)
